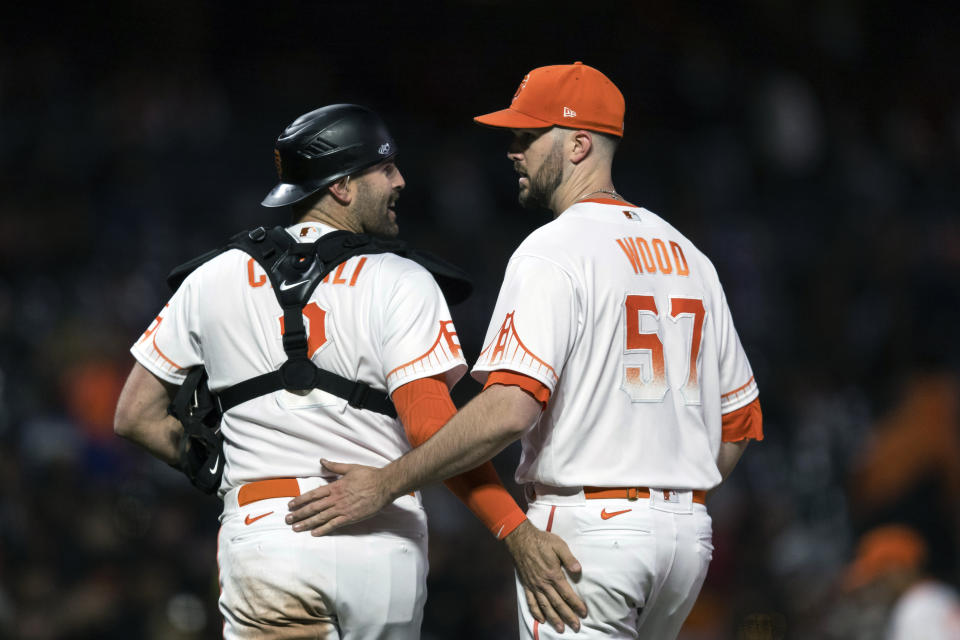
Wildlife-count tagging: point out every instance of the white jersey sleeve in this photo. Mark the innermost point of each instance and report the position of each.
(415, 315)
(737, 384)
(534, 323)
(171, 344)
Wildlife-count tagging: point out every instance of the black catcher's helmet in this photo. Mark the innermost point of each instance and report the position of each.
(325, 145)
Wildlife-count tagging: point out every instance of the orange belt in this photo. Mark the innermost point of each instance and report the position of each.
(263, 489)
(273, 488)
(632, 493)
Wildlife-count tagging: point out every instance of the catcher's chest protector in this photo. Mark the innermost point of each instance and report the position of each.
(295, 270)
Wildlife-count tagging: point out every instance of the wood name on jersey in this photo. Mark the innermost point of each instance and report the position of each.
(653, 256)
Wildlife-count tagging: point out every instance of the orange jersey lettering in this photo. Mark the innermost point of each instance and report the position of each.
(654, 257)
(337, 274)
(252, 277)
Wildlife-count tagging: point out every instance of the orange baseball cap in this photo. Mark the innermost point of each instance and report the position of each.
(884, 549)
(565, 95)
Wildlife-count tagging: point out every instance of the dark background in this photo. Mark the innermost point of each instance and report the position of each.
(810, 149)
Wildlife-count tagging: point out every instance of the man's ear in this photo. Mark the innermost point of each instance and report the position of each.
(341, 191)
(582, 143)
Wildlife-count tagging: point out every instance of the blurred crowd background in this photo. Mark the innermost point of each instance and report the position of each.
(811, 149)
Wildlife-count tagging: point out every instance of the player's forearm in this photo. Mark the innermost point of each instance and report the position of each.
(482, 492)
(458, 447)
(727, 459)
(729, 456)
(161, 438)
(424, 406)
(483, 428)
(142, 418)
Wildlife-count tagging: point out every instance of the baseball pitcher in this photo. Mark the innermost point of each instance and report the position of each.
(613, 357)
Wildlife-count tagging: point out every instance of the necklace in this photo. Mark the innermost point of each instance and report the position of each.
(613, 194)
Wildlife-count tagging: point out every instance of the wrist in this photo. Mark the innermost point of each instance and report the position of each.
(390, 488)
(517, 536)
(509, 523)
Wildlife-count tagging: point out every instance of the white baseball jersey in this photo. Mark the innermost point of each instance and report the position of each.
(378, 318)
(626, 323)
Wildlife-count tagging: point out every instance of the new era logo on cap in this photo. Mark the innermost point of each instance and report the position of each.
(384, 149)
(569, 113)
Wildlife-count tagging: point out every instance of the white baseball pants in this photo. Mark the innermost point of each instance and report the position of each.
(643, 561)
(364, 582)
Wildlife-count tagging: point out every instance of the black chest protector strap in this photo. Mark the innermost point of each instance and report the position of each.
(295, 270)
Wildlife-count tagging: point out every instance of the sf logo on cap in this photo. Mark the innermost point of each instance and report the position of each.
(384, 149)
(523, 83)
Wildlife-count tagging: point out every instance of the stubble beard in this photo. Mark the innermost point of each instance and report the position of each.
(374, 216)
(542, 185)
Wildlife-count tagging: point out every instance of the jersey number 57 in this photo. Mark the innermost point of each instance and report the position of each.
(645, 376)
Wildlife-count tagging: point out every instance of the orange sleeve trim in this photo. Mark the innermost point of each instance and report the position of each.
(162, 355)
(534, 387)
(738, 389)
(424, 406)
(452, 347)
(746, 423)
(418, 359)
(504, 343)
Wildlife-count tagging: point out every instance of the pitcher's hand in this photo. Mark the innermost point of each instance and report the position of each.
(540, 558)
